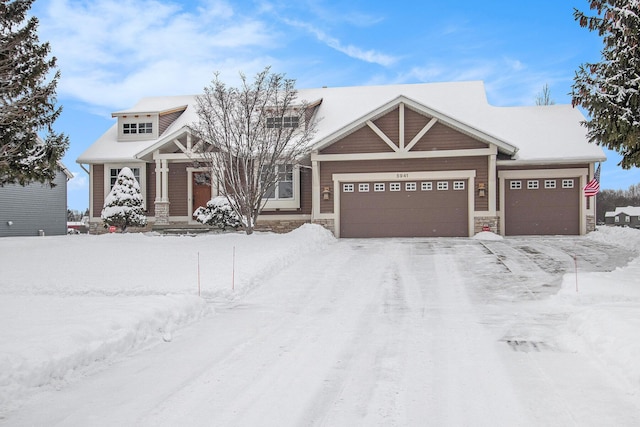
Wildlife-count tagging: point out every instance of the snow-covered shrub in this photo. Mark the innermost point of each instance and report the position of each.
(217, 213)
(124, 207)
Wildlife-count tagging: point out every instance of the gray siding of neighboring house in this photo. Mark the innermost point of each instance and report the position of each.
(33, 208)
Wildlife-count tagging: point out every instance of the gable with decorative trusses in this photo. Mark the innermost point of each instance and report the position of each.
(406, 129)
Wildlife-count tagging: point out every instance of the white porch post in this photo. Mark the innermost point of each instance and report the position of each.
(162, 192)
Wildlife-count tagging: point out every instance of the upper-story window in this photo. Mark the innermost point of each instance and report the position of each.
(137, 128)
(280, 122)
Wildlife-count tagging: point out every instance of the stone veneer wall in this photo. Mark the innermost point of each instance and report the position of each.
(591, 223)
(279, 226)
(329, 224)
(492, 221)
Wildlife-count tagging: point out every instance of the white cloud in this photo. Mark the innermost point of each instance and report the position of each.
(78, 182)
(355, 52)
(111, 53)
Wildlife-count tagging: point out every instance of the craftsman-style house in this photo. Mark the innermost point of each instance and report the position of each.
(400, 160)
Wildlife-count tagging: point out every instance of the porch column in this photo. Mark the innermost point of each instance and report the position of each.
(162, 192)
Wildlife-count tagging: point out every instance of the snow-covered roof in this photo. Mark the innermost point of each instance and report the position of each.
(627, 210)
(537, 134)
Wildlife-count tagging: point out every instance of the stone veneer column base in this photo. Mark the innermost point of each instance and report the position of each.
(329, 224)
(591, 223)
(162, 213)
(493, 222)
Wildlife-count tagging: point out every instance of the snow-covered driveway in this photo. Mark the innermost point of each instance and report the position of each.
(371, 332)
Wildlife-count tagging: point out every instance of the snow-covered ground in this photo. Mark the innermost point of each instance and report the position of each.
(302, 329)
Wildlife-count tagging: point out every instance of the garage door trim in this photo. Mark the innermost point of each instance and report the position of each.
(579, 173)
(468, 175)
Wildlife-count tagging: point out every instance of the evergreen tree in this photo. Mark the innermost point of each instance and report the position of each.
(609, 90)
(217, 213)
(124, 207)
(27, 100)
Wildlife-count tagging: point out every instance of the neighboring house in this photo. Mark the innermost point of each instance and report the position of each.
(35, 209)
(401, 160)
(628, 217)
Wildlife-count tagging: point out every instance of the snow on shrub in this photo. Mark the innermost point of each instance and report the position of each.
(124, 207)
(217, 213)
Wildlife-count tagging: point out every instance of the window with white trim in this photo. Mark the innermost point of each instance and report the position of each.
(515, 185)
(567, 183)
(283, 187)
(348, 188)
(363, 187)
(378, 186)
(283, 122)
(114, 172)
(443, 185)
(549, 183)
(137, 128)
(627, 219)
(394, 186)
(458, 185)
(410, 186)
(533, 184)
(617, 219)
(426, 186)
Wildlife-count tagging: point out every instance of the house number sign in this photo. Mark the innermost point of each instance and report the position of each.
(402, 175)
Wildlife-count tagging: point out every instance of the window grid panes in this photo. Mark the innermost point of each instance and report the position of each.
(394, 186)
(379, 186)
(532, 185)
(347, 188)
(567, 183)
(283, 187)
(113, 175)
(426, 186)
(458, 185)
(410, 186)
(135, 128)
(363, 188)
(443, 185)
(550, 183)
(515, 185)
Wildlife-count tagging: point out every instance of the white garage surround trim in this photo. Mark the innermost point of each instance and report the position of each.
(338, 179)
(580, 173)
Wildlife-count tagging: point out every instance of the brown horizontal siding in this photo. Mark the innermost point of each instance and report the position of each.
(479, 164)
(414, 122)
(441, 137)
(178, 189)
(389, 124)
(151, 189)
(364, 140)
(98, 190)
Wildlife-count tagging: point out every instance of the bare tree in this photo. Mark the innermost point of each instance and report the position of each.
(544, 97)
(247, 133)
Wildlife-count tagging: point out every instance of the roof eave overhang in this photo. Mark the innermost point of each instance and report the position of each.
(558, 161)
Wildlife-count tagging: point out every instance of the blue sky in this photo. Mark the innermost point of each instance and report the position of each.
(113, 52)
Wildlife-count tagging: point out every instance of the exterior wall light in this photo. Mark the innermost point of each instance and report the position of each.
(9, 223)
(326, 193)
(481, 190)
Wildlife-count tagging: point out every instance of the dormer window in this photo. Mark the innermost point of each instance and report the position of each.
(137, 128)
(280, 122)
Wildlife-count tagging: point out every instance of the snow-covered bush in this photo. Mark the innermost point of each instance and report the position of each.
(124, 207)
(217, 213)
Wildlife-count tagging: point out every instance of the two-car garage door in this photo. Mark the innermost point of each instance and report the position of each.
(436, 208)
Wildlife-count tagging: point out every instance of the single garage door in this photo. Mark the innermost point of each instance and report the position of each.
(542, 206)
(404, 209)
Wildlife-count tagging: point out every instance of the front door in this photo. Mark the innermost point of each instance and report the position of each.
(201, 189)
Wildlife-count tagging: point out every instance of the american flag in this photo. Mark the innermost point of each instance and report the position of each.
(593, 187)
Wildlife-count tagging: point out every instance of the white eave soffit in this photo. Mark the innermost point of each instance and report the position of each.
(503, 146)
